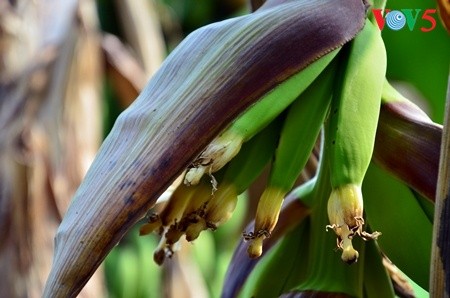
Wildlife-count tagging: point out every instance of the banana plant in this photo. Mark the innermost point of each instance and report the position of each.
(237, 96)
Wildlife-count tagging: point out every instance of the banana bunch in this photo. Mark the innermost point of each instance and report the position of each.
(342, 95)
(246, 147)
(195, 207)
(211, 202)
(302, 263)
(300, 259)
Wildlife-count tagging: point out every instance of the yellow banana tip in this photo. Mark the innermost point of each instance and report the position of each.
(153, 224)
(255, 248)
(349, 254)
(194, 230)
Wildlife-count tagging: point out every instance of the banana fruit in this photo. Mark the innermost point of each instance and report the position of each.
(352, 128)
(285, 260)
(287, 257)
(298, 137)
(223, 148)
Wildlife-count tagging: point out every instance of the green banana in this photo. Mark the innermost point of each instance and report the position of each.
(293, 213)
(283, 258)
(223, 148)
(298, 136)
(286, 258)
(353, 122)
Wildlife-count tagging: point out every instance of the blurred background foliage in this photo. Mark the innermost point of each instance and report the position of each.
(420, 59)
(418, 63)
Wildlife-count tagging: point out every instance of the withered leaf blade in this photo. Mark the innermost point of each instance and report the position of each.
(213, 76)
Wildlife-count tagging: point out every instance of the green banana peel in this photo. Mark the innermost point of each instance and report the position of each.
(212, 77)
(317, 268)
(253, 157)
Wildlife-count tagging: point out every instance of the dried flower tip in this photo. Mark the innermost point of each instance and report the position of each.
(174, 234)
(162, 251)
(159, 256)
(370, 236)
